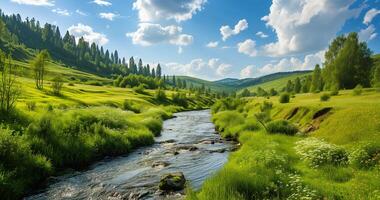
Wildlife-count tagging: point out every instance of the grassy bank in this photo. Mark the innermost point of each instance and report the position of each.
(333, 154)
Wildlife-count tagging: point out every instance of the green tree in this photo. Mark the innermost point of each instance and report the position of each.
(316, 81)
(297, 85)
(306, 84)
(38, 64)
(376, 77)
(57, 85)
(158, 71)
(245, 93)
(9, 88)
(348, 63)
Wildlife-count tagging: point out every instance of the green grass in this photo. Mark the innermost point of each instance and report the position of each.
(342, 161)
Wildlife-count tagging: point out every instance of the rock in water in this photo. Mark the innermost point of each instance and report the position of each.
(172, 182)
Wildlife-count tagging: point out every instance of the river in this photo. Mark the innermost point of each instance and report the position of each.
(188, 144)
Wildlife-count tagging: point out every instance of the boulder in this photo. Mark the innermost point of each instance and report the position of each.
(160, 164)
(172, 182)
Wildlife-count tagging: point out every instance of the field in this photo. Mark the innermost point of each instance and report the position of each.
(332, 154)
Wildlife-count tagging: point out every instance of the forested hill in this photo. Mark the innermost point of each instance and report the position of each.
(22, 38)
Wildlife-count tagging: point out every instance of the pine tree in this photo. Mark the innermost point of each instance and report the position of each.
(158, 71)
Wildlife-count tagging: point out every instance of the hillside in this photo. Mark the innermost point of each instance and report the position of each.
(251, 82)
(214, 86)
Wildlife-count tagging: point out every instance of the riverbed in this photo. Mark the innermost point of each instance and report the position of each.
(188, 144)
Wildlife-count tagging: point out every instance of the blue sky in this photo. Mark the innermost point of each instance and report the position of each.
(212, 39)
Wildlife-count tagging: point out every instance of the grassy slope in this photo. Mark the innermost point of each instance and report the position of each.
(265, 161)
(277, 84)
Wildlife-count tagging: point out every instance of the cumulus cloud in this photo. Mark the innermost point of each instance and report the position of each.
(148, 34)
(227, 31)
(370, 15)
(212, 44)
(223, 69)
(61, 12)
(213, 63)
(88, 34)
(306, 25)
(102, 2)
(35, 2)
(191, 68)
(292, 64)
(152, 10)
(247, 72)
(261, 34)
(367, 34)
(247, 47)
(108, 16)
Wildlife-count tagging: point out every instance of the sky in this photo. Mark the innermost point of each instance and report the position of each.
(212, 39)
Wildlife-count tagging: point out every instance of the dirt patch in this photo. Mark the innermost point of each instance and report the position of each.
(318, 118)
(292, 113)
(322, 112)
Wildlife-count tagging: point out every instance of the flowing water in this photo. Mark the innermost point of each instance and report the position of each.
(188, 144)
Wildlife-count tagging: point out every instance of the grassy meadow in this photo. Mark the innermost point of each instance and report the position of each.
(304, 149)
(90, 119)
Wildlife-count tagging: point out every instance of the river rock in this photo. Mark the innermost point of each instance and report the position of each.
(160, 164)
(172, 182)
(187, 147)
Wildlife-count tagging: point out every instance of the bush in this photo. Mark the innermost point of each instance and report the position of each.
(227, 121)
(281, 126)
(334, 92)
(325, 97)
(284, 98)
(358, 90)
(57, 85)
(130, 105)
(160, 95)
(318, 153)
(20, 169)
(71, 84)
(366, 156)
(31, 105)
(180, 99)
(140, 89)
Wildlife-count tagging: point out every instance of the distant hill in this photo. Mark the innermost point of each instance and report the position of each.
(249, 82)
(214, 86)
(279, 82)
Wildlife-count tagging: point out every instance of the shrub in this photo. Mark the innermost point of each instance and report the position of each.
(318, 152)
(130, 105)
(140, 89)
(180, 99)
(366, 156)
(57, 85)
(31, 105)
(266, 106)
(71, 84)
(50, 107)
(160, 95)
(325, 97)
(334, 92)
(284, 98)
(358, 90)
(226, 122)
(19, 167)
(281, 126)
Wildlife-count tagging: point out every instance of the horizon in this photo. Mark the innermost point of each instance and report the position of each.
(195, 39)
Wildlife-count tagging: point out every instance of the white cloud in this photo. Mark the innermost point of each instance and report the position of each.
(223, 69)
(212, 44)
(247, 72)
(102, 2)
(35, 2)
(153, 10)
(61, 12)
(213, 63)
(88, 34)
(306, 25)
(227, 32)
(292, 64)
(180, 50)
(370, 15)
(191, 68)
(247, 47)
(80, 12)
(148, 34)
(261, 34)
(367, 34)
(108, 16)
